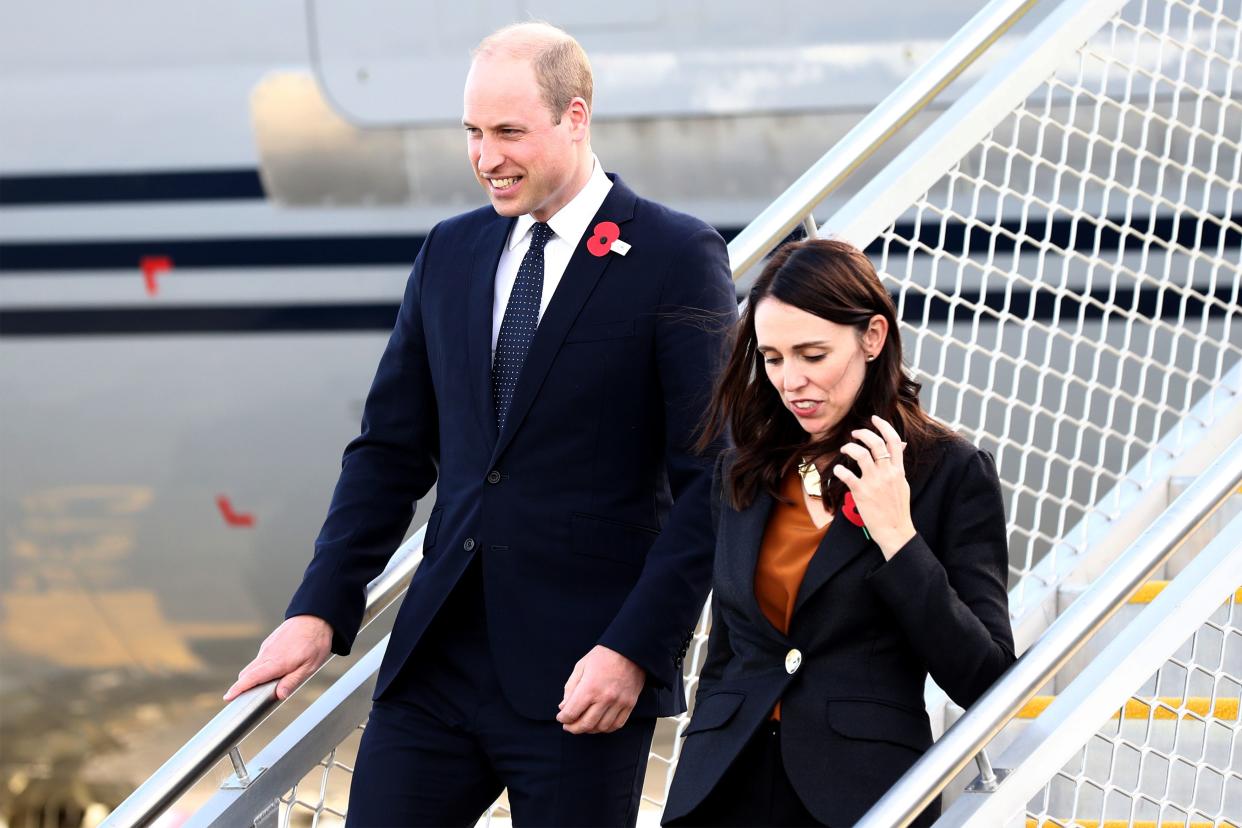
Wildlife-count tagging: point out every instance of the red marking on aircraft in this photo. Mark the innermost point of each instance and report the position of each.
(153, 266)
(230, 517)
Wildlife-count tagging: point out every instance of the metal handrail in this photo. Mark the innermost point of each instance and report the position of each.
(219, 736)
(924, 781)
(281, 764)
(769, 228)
(1117, 674)
(788, 210)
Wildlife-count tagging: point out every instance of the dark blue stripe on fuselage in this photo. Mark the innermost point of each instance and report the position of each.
(102, 188)
(310, 251)
(1033, 304)
(266, 251)
(197, 319)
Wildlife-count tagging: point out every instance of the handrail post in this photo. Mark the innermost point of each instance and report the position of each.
(989, 779)
(808, 224)
(239, 767)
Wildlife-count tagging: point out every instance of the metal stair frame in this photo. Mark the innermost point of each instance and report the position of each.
(1051, 739)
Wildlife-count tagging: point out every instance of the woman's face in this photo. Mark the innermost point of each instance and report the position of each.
(815, 365)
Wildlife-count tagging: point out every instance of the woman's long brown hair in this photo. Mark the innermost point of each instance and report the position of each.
(835, 281)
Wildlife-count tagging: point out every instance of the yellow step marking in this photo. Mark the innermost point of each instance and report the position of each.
(1165, 707)
(1123, 823)
(1148, 592)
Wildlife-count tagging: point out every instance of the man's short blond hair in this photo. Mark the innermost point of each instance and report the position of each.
(560, 63)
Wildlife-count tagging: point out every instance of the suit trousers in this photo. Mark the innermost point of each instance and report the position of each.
(442, 742)
(754, 790)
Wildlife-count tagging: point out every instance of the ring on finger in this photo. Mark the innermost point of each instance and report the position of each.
(885, 457)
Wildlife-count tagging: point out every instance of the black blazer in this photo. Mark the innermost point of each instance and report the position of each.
(590, 512)
(868, 633)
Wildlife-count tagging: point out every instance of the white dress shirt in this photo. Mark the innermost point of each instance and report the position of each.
(569, 225)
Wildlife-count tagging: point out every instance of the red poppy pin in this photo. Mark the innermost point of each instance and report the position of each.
(850, 510)
(606, 237)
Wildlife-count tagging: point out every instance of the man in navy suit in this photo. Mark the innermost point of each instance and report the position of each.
(548, 371)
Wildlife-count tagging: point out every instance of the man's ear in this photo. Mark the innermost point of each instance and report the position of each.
(579, 116)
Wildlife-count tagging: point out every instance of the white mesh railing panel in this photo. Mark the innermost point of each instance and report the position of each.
(1069, 289)
(1172, 754)
(321, 799)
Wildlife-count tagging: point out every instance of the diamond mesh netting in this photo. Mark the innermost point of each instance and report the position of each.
(1172, 753)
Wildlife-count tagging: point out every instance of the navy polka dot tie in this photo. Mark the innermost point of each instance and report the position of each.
(517, 328)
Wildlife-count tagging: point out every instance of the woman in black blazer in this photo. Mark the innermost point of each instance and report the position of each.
(810, 704)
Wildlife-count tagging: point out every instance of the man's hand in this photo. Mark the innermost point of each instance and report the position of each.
(292, 653)
(601, 692)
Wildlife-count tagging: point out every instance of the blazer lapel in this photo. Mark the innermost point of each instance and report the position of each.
(480, 299)
(841, 544)
(576, 285)
(844, 541)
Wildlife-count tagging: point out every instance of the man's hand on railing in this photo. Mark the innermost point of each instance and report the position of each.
(292, 653)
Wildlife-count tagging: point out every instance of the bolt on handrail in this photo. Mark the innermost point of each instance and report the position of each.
(220, 736)
(790, 209)
(924, 781)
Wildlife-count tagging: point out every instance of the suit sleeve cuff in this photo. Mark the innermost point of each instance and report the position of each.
(662, 670)
(343, 621)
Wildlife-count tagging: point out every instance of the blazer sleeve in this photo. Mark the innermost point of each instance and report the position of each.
(385, 470)
(697, 311)
(952, 602)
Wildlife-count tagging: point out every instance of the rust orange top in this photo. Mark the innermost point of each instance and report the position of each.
(789, 542)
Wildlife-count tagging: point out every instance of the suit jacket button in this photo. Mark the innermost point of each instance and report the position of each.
(793, 660)
(468, 545)
(493, 477)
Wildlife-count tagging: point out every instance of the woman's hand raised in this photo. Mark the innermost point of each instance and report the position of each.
(881, 493)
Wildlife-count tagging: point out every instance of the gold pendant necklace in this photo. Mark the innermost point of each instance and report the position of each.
(811, 482)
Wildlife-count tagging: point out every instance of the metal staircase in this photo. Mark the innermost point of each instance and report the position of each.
(1182, 713)
(1064, 248)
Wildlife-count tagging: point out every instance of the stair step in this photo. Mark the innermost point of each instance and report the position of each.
(1201, 537)
(1171, 679)
(1156, 722)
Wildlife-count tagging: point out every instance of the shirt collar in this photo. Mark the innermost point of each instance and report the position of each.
(571, 221)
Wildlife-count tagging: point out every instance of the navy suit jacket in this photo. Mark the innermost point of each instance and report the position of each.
(868, 631)
(590, 512)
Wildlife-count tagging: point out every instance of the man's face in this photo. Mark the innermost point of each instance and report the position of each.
(525, 162)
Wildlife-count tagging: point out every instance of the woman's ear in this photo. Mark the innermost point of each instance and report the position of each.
(874, 337)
